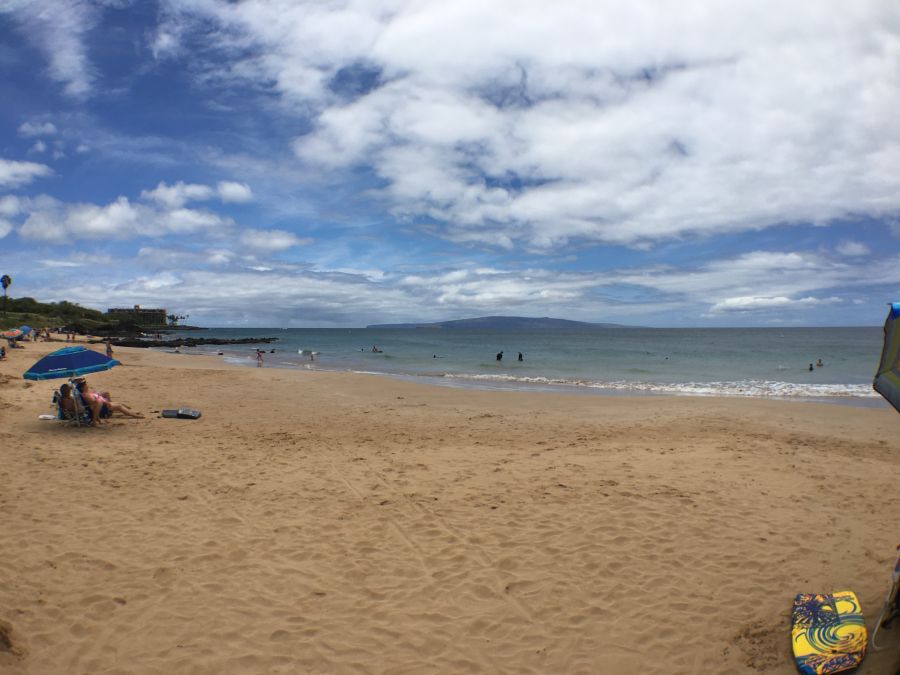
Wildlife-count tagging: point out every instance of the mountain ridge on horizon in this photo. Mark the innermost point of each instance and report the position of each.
(501, 323)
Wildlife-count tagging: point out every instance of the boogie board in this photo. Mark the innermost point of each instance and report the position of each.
(828, 632)
(182, 413)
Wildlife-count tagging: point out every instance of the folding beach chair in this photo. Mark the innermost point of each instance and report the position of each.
(891, 609)
(81, 416)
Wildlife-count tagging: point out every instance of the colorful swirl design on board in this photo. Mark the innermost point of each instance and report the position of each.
(829, 632)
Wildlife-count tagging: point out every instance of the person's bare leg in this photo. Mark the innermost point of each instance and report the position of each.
(124, 409)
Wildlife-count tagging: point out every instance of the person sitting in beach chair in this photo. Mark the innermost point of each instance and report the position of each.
(70, 409)
(101, 405)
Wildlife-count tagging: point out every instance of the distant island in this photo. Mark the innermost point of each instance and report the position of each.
(504, 323)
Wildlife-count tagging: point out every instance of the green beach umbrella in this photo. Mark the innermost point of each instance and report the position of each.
(887, 379)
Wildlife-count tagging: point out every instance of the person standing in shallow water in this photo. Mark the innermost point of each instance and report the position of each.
(259, 358)
(521, 358)
(499, 356)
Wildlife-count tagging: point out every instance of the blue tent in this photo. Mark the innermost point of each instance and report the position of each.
(69, 362)
(887, 379)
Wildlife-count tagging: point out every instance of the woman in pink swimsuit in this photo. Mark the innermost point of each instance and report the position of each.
(100, 404)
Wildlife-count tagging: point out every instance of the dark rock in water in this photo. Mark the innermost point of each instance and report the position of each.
(185, 342)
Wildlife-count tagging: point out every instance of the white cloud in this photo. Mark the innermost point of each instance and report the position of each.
(760, 280)
(39, 147)
(187, 220)
(218, 282)
(5, 227)
(10, 206)
(59, 30)
(31, 129)
(156, 257)
(750, 303)
(234, 192)
(66, 264)
(534, 124)
(161, 282)
(514, 125)
(852, 248)
(13, 173)
(219, 257)
(44, 226)
(77, 259)
(177, 195)
(270, 241)
(165, 43)
(118, 219)
(57, 222)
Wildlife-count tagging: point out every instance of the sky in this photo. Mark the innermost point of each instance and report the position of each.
(339, 163)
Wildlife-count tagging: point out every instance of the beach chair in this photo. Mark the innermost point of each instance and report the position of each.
(82, 413)
(891, 609)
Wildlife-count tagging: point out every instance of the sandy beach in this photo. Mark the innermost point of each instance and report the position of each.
(316, 522)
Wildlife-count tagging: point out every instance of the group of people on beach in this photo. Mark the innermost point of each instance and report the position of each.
(36, 334)
(100, 404)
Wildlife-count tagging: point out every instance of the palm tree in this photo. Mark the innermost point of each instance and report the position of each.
(6, 281)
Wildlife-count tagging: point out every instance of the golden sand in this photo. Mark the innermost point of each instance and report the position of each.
(317, 522)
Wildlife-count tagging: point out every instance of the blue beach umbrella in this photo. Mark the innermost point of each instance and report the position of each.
(69, 362)
(887, 379)
(25, 331)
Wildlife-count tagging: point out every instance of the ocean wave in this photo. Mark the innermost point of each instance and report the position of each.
(753, 388)
(745, 388)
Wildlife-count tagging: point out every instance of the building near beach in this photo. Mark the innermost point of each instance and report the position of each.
(142, 316)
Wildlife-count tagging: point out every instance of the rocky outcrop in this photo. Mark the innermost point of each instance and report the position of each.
(186, 342)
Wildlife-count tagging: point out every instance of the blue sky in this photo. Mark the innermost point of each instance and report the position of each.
(275, 163)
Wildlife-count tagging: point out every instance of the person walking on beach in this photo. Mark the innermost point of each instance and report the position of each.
(259, 358)
(109, 349)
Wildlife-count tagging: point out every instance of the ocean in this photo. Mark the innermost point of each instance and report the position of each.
(749, 362)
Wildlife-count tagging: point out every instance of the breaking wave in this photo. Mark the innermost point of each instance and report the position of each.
(751, 388)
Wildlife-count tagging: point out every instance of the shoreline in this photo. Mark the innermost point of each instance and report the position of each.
(676, 362)
(481, 383)
(325, 522)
